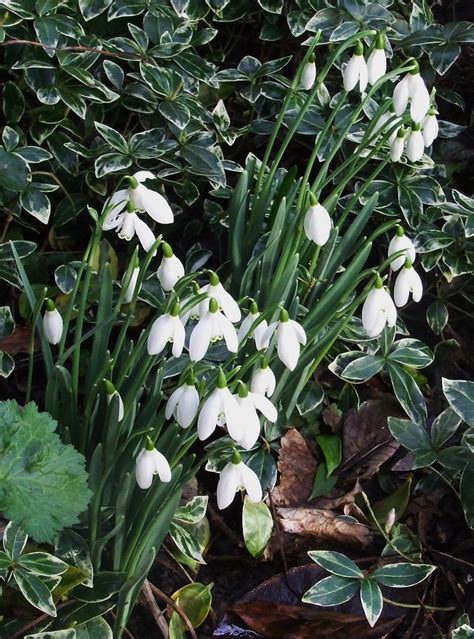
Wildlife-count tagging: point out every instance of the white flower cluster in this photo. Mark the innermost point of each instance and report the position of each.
(238, 411)
(379, 309)
(411, 90)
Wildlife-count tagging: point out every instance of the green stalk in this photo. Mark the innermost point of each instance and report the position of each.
(31, 344)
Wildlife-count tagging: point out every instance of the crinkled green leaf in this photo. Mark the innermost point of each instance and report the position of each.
(43, 483)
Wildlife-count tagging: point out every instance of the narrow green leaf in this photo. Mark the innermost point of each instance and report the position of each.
(332, 449)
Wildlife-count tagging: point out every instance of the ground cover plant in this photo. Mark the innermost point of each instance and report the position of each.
(234, 260)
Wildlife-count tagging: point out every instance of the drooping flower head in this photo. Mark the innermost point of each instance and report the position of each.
(415, 143)
(412, 89)
(308, 76)
(259, 330)
(377, 62)
(263, 379)
(52, 323)
(183, 403)
(219, 409)
(151, 462)
(356, 71)
(171, 269)
(111, 392)
(237, 476)
(226, 302)
(211, 327)
(430, 127)
(249, 403)
(378, 310)
(317, 222)
(397, 145)
(408, 281)
(167, 328)
(400, 242)
(289, 336)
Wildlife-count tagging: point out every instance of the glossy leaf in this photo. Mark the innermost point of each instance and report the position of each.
(257, 525)
(331, 591)
(402, 575)
(336, 563)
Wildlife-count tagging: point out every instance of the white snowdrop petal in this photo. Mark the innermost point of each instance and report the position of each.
(263, 382)
(265, 406)
(200, 338)
(173, 401)
(160, 334)
(144, 233)
(250, 430)
(288, 347)
(363, 74)
(251, 483)
(259, 335)
(245, 326)
(390, 310)
(415, 146)
(142, 176)
(156, 206)
(229, 306)
(144, 469)
(430, 129)
(178, 337)
(401, 96)
(420, 98)
(351, 73)
(267, 336)
(299, 331)
(227, 485)
(376, 65)
(161, 466)
(416, 286)
(53, 326)
(371, 311)
(308, 76)
(396, 149)
(229, 333)
(188, 407)
(233, 415)
(207, 420)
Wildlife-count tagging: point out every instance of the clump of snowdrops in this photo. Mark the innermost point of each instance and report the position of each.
(229, 352)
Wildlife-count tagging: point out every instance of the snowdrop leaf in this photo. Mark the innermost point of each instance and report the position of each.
(48, 489)
(332, 449)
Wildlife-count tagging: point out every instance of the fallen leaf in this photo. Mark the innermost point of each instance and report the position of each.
(330, 503)
(366, 440)
(325, 525)
(297, 467)
(275, 620)
(18, 341)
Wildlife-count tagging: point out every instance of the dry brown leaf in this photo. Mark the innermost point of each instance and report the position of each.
(367, 442)
(330, 503)
(18, 341)
(324, 525)
(276, 620)
(297, 467)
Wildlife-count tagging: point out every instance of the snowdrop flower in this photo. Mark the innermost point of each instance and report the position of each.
(226, 302)
(408, 281)
(167, 328)
(397, 145)
(412, 89)
(430, 128)
(263, 380)
(132, 284)
(151, 462)
(52, 323)
(308, 75)
(220, 408)
(259, 331)
(171, 269)
(415, 143)
(212, 326)
(356, 70)
(111, 393)
(317, 222)
(378, 310)
(400, 242)
(183, 403)
(140, 198)
(237, 476)
(377, 62)
(249, 403)
(127, 225)
(289, 336)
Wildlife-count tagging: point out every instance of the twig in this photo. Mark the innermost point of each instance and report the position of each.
(419, 605)
(161, 595)
(180, 566)
(156, 613)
